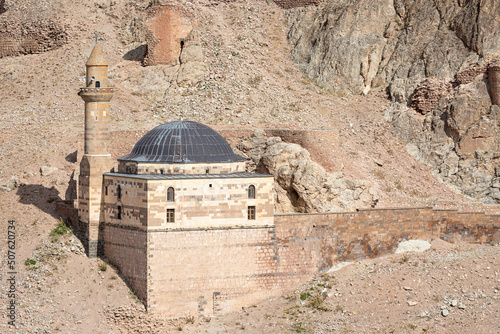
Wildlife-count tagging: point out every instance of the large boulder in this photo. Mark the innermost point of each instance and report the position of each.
(302, 185)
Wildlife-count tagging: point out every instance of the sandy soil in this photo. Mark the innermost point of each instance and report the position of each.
(252, 83)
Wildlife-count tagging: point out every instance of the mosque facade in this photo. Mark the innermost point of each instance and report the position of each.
(181, 179)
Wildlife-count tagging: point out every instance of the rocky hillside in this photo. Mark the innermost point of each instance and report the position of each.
(247, 81)
(251, 83)
(352, 47)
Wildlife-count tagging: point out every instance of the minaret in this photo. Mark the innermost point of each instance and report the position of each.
(97, 158)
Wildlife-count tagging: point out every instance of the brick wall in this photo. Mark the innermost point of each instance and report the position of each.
(30, 29)
(286, 4)
(313, 242)
(204, 271)
(167, 27)
(210, 271)
(126, 249)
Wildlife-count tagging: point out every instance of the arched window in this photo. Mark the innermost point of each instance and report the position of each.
(170, 194)
(119, 192)
(251, 191)
(97, 84)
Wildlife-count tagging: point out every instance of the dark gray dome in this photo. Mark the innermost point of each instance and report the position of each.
(182, 142)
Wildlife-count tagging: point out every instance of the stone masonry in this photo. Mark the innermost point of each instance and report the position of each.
(32, 29)
(168, 26)
(96, 159)
(207, 271)
(494, 80)
(287, 4)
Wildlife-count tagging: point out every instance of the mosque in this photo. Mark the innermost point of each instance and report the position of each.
(180, 176)
(192, 233)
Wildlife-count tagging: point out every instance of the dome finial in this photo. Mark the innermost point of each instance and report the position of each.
(96, 56)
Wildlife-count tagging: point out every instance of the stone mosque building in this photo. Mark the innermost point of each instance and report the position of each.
(192, 233)
(180, 176)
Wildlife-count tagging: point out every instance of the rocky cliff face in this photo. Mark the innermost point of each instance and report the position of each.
(351, 46)
(460, 138)
(302, 185)
(433, 59)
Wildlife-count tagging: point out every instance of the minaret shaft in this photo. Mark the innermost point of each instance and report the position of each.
(97, 158)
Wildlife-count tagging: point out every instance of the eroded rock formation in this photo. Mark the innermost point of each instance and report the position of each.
(432, 56)
(302, 185)
(460, 138)
(351, 46)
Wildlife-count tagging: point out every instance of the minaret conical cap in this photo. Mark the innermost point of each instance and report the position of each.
(96, 57)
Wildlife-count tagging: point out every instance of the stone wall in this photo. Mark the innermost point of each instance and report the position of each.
(287, 4)
(126, 249)
(334, 237)
(494, 80)
(209, 271)
(180, 168)
(200, 201)
(206, 272)
(31, 29)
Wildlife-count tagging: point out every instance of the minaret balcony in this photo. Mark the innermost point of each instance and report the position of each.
(96, 94)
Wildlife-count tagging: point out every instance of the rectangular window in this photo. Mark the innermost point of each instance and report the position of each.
(170, 215)
(119, 212)
(106, 190)
(251, 212)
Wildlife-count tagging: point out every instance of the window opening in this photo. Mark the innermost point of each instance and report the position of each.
(251, 213)
(170, 194)
(170, 215)
(251, 191)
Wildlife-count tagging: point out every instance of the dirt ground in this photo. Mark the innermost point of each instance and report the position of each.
(252, 83)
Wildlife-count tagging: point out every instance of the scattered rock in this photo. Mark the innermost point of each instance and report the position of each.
(411, 303)
(10, 185)
(413, 246)
(47, 170)
(454, 303)
(445, 312)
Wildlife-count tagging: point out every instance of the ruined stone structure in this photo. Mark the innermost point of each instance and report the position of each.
(32, 29)
(494, 80)
(168, 26)
(287, 4)
(192, 233)
(428, 94)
